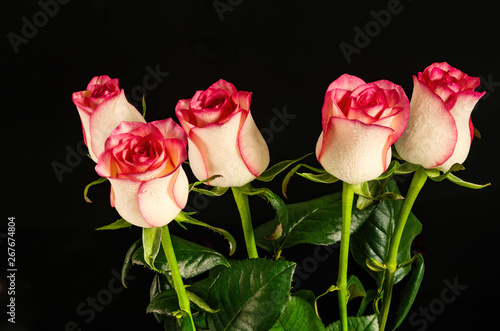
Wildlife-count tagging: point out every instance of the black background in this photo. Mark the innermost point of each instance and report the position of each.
(286, 53)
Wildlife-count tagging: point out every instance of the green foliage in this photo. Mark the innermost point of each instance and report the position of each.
(318, 222)
(298, 315)
(254, 294)
(193, 259)
(372, 239)
(364, 323)
(251, 295)
(411, 290)
(186, 218)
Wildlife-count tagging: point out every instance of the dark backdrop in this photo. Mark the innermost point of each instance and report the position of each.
(286, 53)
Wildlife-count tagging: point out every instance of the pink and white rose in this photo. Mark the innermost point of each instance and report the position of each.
(143, 163)
(360, 123)
(222, 136)
(440, 131)
(102, 106)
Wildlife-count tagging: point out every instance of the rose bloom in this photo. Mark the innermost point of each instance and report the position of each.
(440, 132)
(102, 106)
(222, 136)
(143, 163)
(360, 123)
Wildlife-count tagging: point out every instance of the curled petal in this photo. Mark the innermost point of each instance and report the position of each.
(252, 147)
(461, 114)
(335, 101)
(224, 85)
(169, 129)
(346, 82)
(120, 132)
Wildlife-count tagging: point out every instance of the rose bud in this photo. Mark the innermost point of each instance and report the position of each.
(222, 136)
(440, 132)
(360, 123)
(143, 163)
(102, 106)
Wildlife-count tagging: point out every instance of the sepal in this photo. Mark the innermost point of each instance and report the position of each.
(374, 190)
(375, 265)
(128, 261)
(214, 192)
(273, 171)
(86, 189)
(118, 224)
(183, 217)
(144, 106)
(436, 176)
(321, 176)
(332, 288)
(276, 202)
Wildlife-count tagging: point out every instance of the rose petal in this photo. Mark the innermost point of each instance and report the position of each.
(461, 113)
(253, 147)
(335, 101)
(353, 151)
(242, 99)
(120, 132)
(431, 135)
(196, 161)
(161, 199)
(125, 200)
(346, 82)
(107, 117)
(112, 197)
(219, 153)
(225, 85)
(448, 96)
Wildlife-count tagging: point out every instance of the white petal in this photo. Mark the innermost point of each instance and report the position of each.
(253, 147)
(161, 199)
(430, 136)
(353, 151)
(107, 117)
(125, 198)
(461, 113)
(217, 152)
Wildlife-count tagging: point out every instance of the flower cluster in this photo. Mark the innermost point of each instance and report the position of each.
(360, 123)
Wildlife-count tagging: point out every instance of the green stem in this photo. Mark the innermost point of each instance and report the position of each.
(347, 200)
(416, 185)
(168, 248)
(241, 200)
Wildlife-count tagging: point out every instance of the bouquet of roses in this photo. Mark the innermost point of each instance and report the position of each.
(371, 133)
